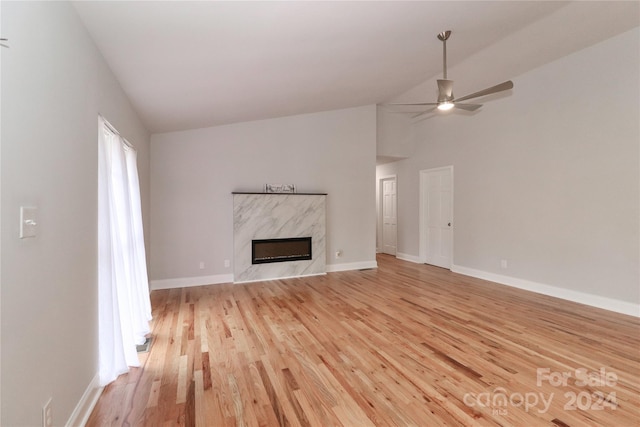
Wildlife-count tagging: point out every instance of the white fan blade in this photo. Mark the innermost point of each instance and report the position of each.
(467, 107)
(488, 91)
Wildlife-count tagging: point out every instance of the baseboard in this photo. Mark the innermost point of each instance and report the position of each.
(185, 282)
(407, 257)
(598, 301)
(363, 265)
(83, 409)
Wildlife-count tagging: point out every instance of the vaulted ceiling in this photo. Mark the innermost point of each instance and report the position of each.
(187, 64)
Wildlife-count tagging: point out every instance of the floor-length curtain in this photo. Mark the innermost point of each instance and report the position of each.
(124, 304)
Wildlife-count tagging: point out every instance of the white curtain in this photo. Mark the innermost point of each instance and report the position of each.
(123, 290)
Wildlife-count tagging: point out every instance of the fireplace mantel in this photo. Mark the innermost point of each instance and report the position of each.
(263, 216)
(283, 194)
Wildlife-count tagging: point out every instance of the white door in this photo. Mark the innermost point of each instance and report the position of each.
(389, 216)
(436, 216)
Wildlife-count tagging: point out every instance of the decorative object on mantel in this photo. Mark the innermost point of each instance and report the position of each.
(279, 188)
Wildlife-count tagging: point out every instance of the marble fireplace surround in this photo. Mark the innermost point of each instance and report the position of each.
(278, 216)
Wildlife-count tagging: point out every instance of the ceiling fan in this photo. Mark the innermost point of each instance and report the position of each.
(446, 101)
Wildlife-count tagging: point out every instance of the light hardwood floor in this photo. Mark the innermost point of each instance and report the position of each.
(401, 345)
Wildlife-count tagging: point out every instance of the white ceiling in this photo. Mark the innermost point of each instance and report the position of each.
(188, 65)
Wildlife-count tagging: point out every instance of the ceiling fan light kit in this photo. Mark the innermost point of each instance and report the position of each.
(446, 101)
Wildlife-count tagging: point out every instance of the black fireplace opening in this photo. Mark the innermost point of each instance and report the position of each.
(280, 250)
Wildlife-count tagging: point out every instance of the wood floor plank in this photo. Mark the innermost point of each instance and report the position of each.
(401, 345)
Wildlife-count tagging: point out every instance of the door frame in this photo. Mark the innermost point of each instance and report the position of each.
(423, 220)
(380, 239)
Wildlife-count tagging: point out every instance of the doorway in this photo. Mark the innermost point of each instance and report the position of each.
(436, 216)
(389, 215)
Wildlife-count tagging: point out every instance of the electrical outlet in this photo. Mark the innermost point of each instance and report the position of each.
(338, 254)
(47, 416)
(503, 264)
(227, 263)
(201, 265)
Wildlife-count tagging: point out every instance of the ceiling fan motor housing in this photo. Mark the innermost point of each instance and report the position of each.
(445, 91)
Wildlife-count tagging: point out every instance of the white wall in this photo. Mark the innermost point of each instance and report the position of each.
(194, 172)
(54, 84)
(546, 178)
(394, 138)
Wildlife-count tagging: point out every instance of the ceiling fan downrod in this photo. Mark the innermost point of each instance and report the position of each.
(444, 36)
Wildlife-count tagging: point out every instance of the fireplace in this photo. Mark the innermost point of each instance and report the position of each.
(276, 219)
(280, 250)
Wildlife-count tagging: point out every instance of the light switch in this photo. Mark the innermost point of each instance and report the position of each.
(28, 222)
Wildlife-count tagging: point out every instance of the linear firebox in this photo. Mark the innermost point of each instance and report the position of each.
(280, 250)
